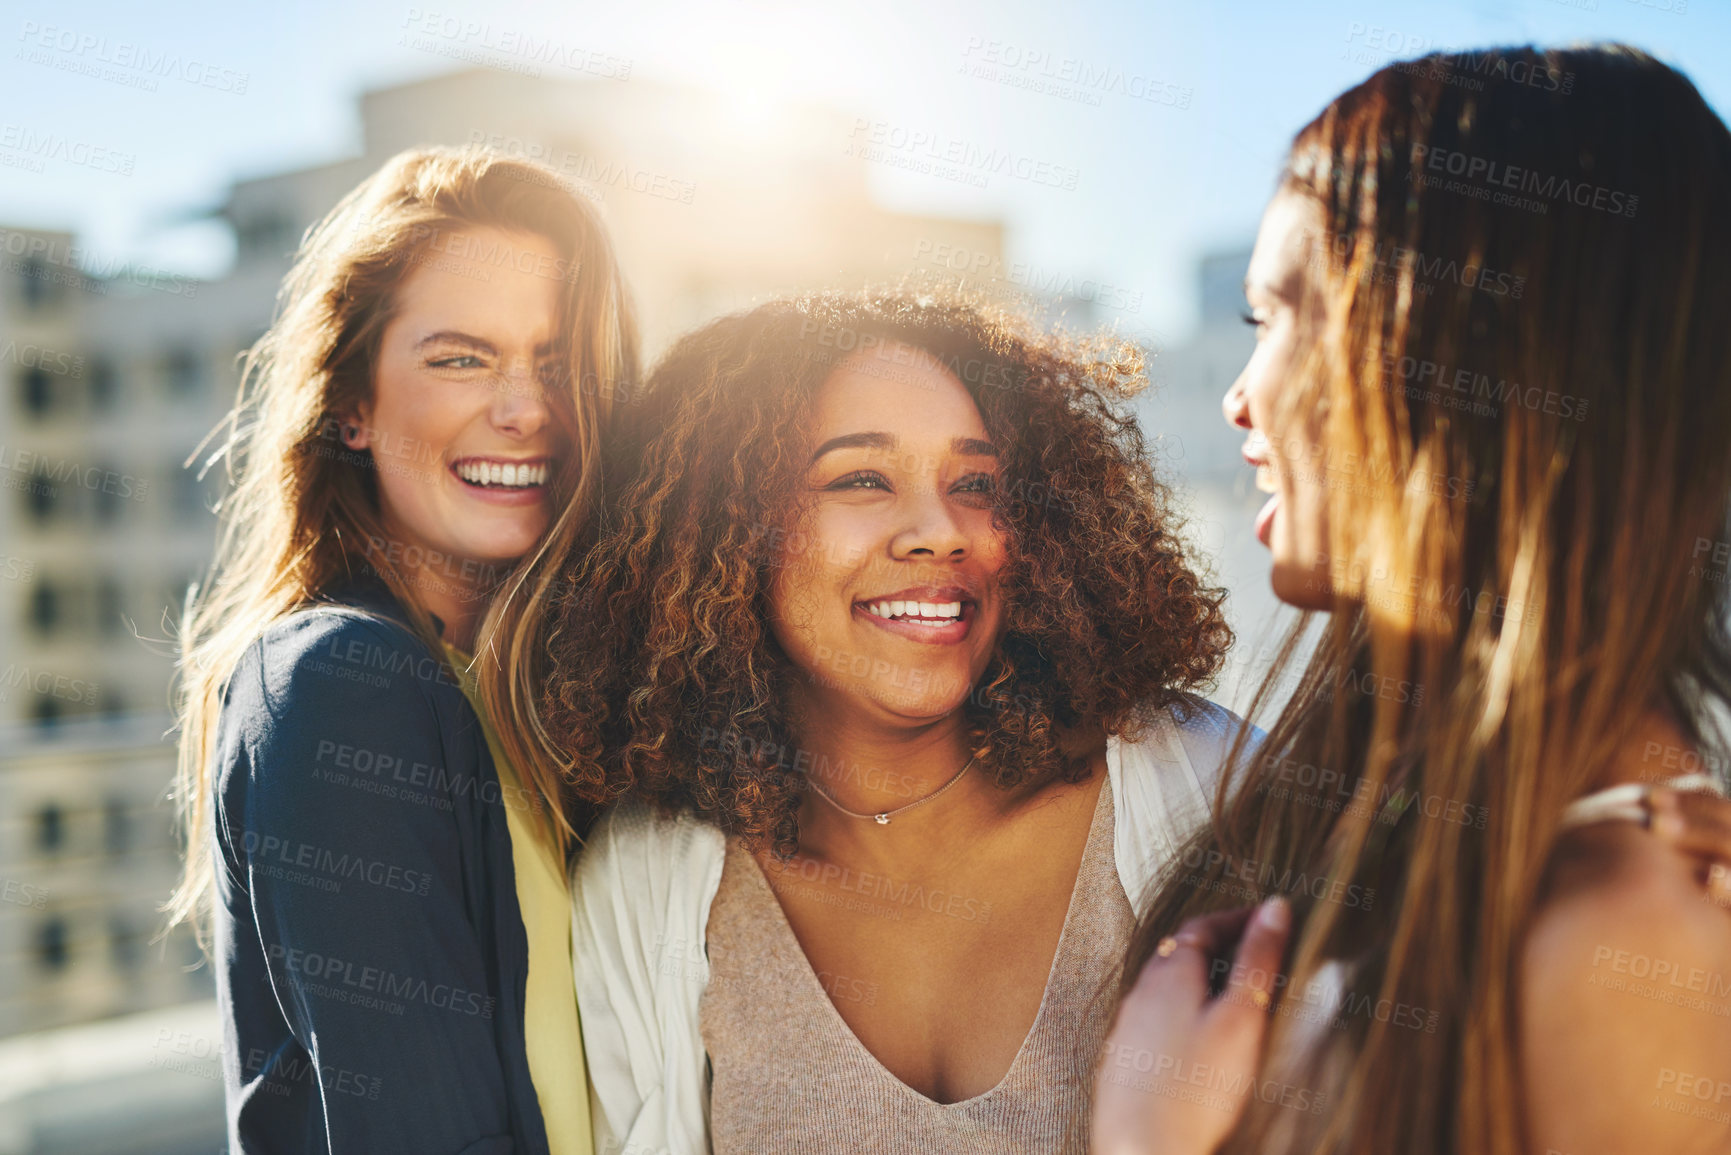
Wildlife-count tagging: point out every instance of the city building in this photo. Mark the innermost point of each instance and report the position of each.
(1201, 456)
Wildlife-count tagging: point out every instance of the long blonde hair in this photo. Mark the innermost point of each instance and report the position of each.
(302, 513)
(1515, 532)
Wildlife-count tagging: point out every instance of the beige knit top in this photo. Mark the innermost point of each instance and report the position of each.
(789, 1075)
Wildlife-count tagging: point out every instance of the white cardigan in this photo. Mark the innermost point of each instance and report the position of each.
(641, 894)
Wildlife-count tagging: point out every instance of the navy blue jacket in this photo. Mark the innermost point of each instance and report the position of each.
(371, 958)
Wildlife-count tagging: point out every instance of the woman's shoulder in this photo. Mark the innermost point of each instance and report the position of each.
(1626, 999)
(1182, 748)
(352, 625)
(338, 653)
(1164, 782)
(1207, 729)
(637, 851)
(641, 891)
(339, 691)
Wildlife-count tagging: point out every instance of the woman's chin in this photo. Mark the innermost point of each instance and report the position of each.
(916, 707)
(1301, 587)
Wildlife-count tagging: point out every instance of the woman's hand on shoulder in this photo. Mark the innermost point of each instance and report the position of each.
(1625, 1002)
(1698, 824)
(1175, 1074)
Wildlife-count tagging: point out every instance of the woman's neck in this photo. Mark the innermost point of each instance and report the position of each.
(452, 590)
(459, 618)
(871, 769)
(1656, 748)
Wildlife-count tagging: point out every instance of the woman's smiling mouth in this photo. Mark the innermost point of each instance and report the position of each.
(923, 612)
(486, 472)
(502, 481)
(934, 615)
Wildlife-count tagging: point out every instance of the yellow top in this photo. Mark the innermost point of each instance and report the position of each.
(550, 1029)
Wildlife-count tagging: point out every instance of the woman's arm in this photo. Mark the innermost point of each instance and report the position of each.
(347, 819)
(1626, 1002)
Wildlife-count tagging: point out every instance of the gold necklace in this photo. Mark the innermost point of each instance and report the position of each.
(883, 818)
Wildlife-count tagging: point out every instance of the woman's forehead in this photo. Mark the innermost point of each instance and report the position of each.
(896, 389)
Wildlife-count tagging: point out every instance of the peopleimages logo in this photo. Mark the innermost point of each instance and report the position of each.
(936, 154)
(41, 146)
(1066, 77)
(40, 257)
(1427, 377)
(1337, 252)
(86, 52)
(1497, 175)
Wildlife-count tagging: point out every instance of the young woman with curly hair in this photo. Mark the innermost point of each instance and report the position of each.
(1491, 401)
(384, 874)
(887, 644)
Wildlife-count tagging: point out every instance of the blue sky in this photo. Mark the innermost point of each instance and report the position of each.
(1158, 179)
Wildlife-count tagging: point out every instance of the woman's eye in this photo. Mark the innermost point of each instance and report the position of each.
(461, 361)
(977, 483)
(860, 480)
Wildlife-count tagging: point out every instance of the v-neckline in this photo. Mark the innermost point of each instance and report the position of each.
(814, 986)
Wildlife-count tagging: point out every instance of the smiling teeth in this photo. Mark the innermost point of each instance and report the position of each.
(490, 473)
(917, 611)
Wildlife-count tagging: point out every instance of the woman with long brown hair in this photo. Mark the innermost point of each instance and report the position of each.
(887, 644)
(385, 875)
(1491, 399)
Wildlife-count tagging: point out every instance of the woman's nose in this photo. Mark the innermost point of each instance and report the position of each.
(1236, 406)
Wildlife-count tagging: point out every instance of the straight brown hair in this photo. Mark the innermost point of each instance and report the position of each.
(1494, 640)
(301, 515)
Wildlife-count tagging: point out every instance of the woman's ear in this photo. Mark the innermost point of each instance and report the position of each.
(355, 429)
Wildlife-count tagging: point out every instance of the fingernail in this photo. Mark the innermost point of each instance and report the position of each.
(1275, 914)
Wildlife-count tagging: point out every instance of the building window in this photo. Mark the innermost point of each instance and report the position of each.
(50, 829)
(46, 710)
(38, 282)
(182, 372)
(108, 496)
(104, 384)
(116, 826)
(46, 611)
(36, 391)
(123, 940)
(53, 951)
(40, 499)
(266, 235)
(110, 608)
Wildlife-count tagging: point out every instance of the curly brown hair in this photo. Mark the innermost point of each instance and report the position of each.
(662, 642)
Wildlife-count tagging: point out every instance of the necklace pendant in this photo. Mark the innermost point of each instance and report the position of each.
(883, 819)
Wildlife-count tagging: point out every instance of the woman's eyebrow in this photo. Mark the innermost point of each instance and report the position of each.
(455, 337)
(1289, 290)
(855, 441)
(961, 446)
